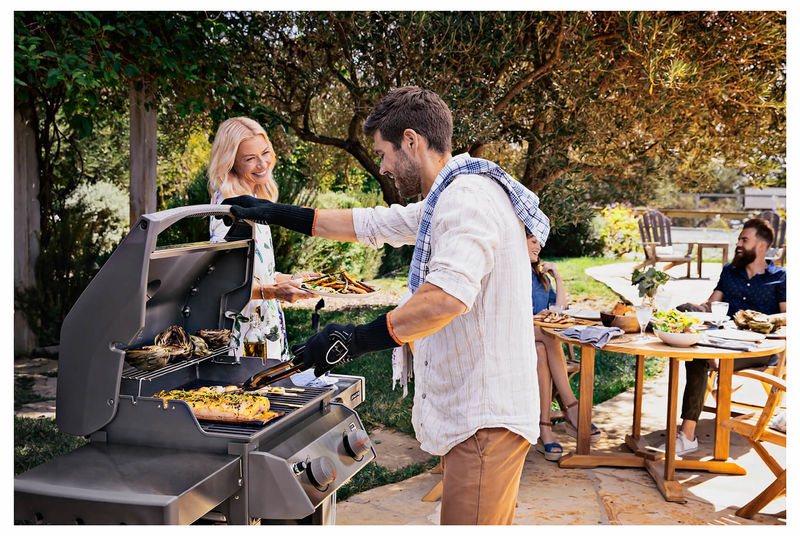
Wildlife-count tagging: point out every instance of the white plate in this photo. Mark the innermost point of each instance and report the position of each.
(339, 294)
(583, 314)
(736, 335)
(708, 317)
(780, 333)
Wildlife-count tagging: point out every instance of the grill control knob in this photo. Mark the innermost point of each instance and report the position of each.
(321, 471)
(356, 443)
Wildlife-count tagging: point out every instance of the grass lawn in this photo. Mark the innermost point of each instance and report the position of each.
(37, 440)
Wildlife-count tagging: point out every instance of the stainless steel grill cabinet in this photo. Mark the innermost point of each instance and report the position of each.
(154, 463)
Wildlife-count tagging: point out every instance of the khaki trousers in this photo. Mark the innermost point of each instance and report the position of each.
(480, 478)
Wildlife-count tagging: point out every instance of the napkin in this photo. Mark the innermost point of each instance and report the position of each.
(597, 336)
(727, 344)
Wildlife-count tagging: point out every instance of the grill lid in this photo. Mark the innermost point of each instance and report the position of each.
(139, 292)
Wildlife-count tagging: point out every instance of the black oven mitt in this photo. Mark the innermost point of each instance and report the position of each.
(292, 217)
(337, 344)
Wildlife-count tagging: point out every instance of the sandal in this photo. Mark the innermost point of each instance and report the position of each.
(572, 430)
(552, 451)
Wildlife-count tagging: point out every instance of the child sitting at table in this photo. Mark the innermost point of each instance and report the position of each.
(551, 365)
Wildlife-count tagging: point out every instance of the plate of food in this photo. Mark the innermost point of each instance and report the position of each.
(554, 319)
(339, 285)
(676, 328)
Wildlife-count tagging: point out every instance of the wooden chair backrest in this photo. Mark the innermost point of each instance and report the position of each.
(655, 228)
(778, 225)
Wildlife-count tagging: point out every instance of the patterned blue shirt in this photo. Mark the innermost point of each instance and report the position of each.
(541, 297)
(762, 293)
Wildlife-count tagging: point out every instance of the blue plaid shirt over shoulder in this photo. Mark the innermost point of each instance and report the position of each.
(763, 292)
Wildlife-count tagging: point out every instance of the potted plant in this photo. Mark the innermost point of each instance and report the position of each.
(648, 282)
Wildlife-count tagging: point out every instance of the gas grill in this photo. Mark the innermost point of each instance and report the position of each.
(153, 462)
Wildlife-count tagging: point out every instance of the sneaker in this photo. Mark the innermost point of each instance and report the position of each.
(682, 445)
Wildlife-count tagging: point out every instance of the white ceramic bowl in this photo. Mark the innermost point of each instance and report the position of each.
(677, 339)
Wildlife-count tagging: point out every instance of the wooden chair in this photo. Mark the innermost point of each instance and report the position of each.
(656, 232)
(777, 250)
(777, 370)
(754, 427)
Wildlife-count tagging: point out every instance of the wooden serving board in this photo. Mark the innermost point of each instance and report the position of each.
(567, 324)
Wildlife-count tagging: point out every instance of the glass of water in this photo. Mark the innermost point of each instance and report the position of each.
(643, 315)
(719, 309)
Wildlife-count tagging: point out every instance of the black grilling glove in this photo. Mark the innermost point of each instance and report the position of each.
(337, 344)
(292, 217)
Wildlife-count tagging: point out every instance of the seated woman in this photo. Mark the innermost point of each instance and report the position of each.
(551, 366)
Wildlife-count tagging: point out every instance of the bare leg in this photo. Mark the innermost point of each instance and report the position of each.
(545, 391)
(557, 365)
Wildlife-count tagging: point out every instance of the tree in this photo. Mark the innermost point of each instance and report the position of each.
(72, 73)
(616, 98)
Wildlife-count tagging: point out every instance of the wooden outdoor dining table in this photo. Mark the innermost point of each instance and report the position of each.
(661, 466)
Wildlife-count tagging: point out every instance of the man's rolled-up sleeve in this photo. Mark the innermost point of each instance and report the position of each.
(395, 225)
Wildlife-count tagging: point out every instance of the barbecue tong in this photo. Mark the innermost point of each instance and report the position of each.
(285, 369)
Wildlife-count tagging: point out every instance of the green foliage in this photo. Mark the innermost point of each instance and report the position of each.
(619, 230)
(38, 440)
(295, 252)
(648, 281)
(616, 373)
(187, 230)
(68, 262)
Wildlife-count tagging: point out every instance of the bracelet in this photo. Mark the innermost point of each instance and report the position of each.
(260, 288)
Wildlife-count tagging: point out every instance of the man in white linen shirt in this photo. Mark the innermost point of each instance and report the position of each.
(476, 396)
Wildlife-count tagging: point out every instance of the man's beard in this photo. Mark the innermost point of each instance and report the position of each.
(408, 178)
(743, 257)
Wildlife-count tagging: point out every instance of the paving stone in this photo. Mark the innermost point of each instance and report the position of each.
(36, 365)
(34, 410)
(396, 450)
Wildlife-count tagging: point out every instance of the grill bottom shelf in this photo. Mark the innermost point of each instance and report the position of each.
(119, 484)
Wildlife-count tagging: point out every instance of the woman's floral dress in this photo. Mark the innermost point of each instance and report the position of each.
(273, 325)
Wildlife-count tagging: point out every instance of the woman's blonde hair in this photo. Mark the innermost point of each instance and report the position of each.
(221, 177)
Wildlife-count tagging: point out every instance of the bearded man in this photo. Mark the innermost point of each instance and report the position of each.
(476, 397)
(749, 281)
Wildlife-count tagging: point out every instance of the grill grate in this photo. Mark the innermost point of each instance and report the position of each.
(300, 398)
(130, 372)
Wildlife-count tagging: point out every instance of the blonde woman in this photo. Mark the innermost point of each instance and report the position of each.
(241, 163)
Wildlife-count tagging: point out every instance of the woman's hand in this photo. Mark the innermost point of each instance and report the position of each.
(288, 290)
(550, 268)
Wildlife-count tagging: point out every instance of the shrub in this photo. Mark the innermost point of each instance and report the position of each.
(86, 230)
(619, 231)
(295, 252)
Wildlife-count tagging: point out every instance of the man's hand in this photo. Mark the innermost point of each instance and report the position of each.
(694, 307)
(336, 344)
(265, 212)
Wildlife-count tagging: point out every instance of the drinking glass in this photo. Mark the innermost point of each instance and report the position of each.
(555, 308)
(719, 309)
(663, 302)
(643, 315)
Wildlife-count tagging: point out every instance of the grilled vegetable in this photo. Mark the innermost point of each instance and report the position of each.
(216, 338)
(177, 340)
(148, 357)
(199, 346)
(341, 283)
